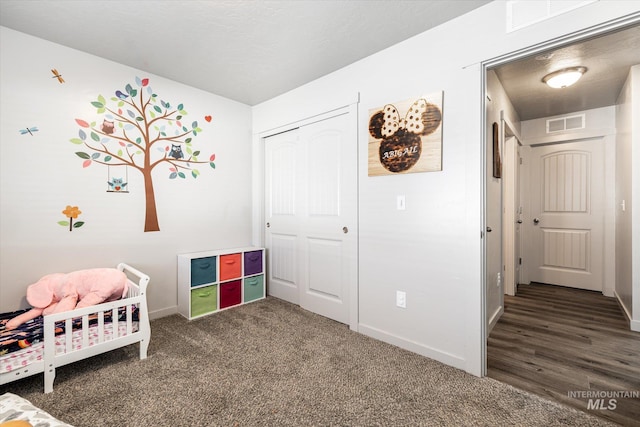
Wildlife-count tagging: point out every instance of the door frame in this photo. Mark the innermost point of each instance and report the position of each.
(258, 185)
(578, 36)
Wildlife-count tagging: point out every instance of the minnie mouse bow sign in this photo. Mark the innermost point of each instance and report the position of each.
(406, 137)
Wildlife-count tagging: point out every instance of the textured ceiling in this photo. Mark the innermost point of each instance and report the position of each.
(246, 50)
(608, 59)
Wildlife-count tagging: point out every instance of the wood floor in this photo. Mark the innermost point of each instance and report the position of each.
(565, 344)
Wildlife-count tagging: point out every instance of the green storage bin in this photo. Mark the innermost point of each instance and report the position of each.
(253, 288)
(204, 300)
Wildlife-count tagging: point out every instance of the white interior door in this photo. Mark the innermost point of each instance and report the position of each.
(311, 214)
(567, 214)
(283, 177)
(511, 215)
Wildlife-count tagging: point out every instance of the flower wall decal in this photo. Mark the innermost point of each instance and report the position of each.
(71, 212)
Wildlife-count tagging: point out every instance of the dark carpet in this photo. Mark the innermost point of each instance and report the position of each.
(270, 363)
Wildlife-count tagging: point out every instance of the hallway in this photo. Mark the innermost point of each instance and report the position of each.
(565, 344)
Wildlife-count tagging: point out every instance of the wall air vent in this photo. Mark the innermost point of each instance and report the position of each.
(522, 13)
(566, 123)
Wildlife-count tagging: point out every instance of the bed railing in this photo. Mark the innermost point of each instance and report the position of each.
(135, 297)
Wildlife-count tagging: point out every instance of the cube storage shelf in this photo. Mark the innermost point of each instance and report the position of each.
(212, 281)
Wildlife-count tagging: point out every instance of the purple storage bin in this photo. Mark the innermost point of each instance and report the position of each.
(252, 262)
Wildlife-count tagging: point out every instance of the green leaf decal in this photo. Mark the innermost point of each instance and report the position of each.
(76, 141)
(102, 100)
(95, 137)
(82, 155)
(97, 104)
(65, 223)
(107, 158)
(181, 175)
(196, 153)
(180, 107)
(213, 165)
(78, 224)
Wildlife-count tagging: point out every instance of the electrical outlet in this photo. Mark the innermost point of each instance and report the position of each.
(401, 299)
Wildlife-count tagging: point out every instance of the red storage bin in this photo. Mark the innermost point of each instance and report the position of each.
(230, 293)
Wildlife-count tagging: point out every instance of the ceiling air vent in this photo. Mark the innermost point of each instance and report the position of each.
(565, 123)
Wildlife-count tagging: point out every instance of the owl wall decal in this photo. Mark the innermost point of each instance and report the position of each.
(176, 152)
(117, 184)
(107, 127)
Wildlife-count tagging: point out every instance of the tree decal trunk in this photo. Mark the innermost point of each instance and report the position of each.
(140, 130)
(151, 212)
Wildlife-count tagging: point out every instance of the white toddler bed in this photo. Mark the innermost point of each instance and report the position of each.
(84, 340)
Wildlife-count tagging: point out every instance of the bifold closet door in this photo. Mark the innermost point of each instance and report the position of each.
(311, 216)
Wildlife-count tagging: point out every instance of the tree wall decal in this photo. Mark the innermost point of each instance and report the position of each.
(142, 131)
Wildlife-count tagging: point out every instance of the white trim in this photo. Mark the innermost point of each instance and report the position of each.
(163, 312)
(494, 319)
(423, 350)
(634, 325)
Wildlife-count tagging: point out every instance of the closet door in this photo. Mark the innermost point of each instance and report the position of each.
(283, 177)
(311, 211)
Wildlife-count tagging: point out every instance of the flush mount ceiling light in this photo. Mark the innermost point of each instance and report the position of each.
(565, 77)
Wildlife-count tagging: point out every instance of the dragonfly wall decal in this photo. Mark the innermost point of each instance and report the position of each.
(57, 75)
(28, 131)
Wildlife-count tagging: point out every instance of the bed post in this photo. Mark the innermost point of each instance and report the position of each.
(49, 355)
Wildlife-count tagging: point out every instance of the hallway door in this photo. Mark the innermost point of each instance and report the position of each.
(567, 194)
(311, 214)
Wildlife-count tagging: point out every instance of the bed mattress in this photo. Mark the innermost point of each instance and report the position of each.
(24, 345)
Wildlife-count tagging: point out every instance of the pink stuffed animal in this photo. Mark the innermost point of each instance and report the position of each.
(55, 293)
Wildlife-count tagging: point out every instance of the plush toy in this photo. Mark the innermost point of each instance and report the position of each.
(58, 292)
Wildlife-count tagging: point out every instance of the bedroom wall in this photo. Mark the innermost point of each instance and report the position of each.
(41, 174)
(432, 249)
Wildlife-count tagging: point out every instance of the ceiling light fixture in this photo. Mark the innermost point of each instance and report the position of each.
(564, 78)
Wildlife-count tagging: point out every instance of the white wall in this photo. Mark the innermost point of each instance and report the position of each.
(432, 250)
(497, 102)
(627, 191)
(40, 175)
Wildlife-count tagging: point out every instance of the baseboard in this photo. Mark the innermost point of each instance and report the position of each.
(494, 319)
(421, 349)
(634, 325)
(163, 312)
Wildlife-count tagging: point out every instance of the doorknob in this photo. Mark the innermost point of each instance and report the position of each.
(489, 229)
(519, 221)
(345, 230)
(536, 220)
(268, 224)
